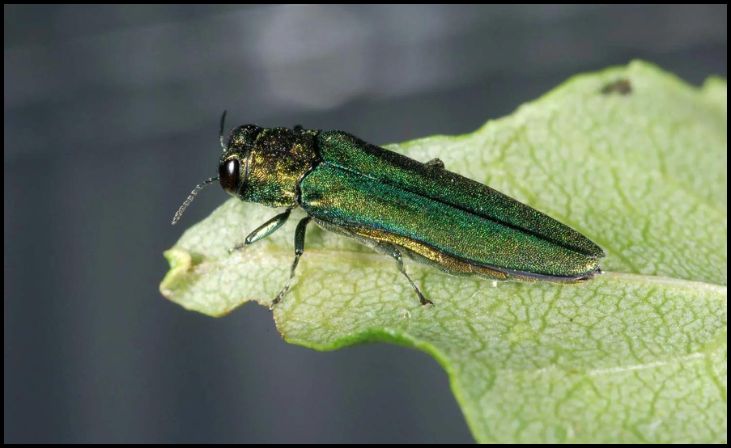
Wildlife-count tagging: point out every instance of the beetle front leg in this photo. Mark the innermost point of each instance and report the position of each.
(299, 249)
(264, 230)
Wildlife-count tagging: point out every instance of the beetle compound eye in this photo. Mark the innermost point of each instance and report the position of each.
(228, 174)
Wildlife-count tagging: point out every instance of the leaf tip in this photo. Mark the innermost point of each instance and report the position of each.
(180, 261)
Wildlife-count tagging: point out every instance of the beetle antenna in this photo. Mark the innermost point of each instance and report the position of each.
(192, 196)
(220, 131)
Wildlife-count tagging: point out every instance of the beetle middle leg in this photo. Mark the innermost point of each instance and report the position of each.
(264, 230)
(299, 249)
(394, 253)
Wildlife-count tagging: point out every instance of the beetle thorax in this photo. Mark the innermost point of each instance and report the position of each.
(275, 164)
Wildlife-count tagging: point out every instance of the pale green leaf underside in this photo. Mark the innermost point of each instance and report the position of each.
(636, 355)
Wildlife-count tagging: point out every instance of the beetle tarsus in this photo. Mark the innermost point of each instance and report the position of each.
(236, 248)
(279, 297)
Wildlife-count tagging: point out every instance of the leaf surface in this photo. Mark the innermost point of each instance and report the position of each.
(633, 158)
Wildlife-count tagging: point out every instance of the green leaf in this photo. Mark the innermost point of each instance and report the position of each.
(635, 355)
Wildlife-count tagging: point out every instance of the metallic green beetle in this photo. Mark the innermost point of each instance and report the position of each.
(397, 206)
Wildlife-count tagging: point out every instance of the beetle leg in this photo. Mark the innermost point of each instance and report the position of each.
(435, 163)
(299, 248)
(396, 255)
(264, 230)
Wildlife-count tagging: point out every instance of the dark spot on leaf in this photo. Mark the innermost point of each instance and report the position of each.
(197, 258)
(622, 87)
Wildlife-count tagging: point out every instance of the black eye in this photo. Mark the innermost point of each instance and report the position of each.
(228, 175)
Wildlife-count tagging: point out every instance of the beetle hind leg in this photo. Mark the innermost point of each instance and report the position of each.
(394, 253)
(435, 163)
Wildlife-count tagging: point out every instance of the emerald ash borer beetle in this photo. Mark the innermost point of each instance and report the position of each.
(396, 205)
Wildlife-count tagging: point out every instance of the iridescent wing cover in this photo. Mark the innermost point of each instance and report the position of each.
(442, 217)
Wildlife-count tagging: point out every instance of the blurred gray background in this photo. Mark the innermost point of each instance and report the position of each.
(111, 117)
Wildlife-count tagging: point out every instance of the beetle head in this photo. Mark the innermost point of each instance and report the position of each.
(265, 165)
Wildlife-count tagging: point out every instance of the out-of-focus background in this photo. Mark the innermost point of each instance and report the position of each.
(111, 117)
